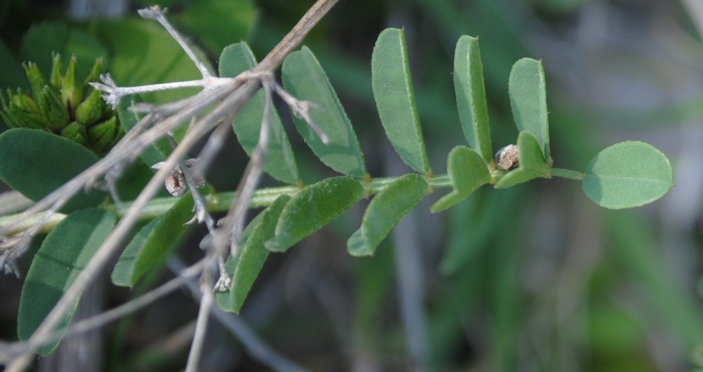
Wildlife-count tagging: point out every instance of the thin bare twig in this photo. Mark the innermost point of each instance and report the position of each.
(256, 347)
(7, 352)
(206, 301)
(233, 94)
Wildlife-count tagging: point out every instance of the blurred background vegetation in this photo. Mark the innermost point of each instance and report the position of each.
(533, 278)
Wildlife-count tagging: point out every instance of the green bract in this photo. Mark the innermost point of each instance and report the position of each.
(64, 105)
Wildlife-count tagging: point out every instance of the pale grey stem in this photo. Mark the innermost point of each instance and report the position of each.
(232, 103)
(155, 12)
(255, 346)
(201, 213)
(11, 351)
(13, 201)
(126, 91)
(112, 243)
(251, 177)
(295, 36)
(128, 148)
(206, 300)
(302, 110)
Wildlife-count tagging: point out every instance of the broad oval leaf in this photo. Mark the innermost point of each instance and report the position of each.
(532, 163)
(467, 171)
(627, 174)
(528, 100)
(471, 96)
(312, 208)
(254, 253)
(153, 242)
(304, 78)
(35, 163)
(62, 256)
(280, 161)
(385, 211)
(395, 99)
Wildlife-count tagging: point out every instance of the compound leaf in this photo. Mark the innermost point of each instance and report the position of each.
(627, 174)
(395, 98)
(62, 256)
(305, 79)
(385, 211)
(312, 208)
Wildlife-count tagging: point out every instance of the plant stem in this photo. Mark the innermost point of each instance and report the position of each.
(219, 202)
(567, 173)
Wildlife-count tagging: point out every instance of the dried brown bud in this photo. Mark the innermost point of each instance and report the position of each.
(507, 158)
(175, 182)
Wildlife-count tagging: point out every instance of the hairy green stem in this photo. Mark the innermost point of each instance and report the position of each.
(219, 202)
(567, 173)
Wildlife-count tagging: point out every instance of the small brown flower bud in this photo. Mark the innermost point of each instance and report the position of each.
(507, 158)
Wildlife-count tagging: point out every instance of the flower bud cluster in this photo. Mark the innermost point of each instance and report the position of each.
(64, 106)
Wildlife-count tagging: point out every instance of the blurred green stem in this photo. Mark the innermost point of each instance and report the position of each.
(218, 202)
(567, 173)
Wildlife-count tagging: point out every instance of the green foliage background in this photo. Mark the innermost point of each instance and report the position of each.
(533, 277)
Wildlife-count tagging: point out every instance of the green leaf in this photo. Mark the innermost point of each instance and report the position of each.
(305, 79)
(44, 38)
(532, 163)
(471, 96)
(62, 256)
(223, 299)
(627, 174)
(280, 161)
(152, 154)
(153, 242)
(254, 253)
(217, 23)
(11, 75)
(35, 163)
(312, 208)
(528, 100)
(395, 99)
(467, 171)
(385, 211)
